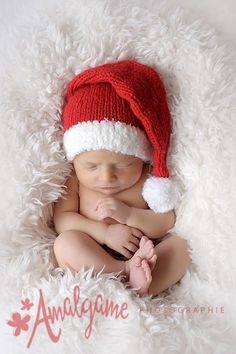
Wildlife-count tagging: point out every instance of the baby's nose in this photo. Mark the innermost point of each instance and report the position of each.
(108, 175)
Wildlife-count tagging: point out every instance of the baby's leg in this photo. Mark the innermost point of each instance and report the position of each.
(74, 248)
(172, 262)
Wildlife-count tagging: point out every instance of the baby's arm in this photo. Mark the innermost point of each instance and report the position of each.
(66, 216)
(152, 224)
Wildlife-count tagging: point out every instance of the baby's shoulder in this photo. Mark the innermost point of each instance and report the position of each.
(74, 176)
(72, 181)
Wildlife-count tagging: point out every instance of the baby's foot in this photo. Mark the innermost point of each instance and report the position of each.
(141, 277)
(140, 266)
(146, 250)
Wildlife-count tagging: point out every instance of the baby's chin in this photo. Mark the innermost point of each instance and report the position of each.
(112, 191)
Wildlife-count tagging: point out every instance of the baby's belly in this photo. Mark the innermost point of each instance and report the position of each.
(88, 200)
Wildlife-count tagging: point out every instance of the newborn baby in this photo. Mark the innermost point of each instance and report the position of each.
(118, 210)
(106, 187)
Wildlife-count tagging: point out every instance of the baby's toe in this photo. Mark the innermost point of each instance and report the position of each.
(143, 241)
(149, 243)
(145, 265)
(152, 261)
(153, 258)
(149, 249)
(147, 270)
(138, 261)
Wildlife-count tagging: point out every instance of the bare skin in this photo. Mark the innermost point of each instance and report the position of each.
(141, 266)
(138, 268)
(95, 170)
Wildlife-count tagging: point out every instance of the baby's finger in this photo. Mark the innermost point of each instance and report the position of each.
(105, 214)
(137, 232)
(126, 253)
(135, 240)
(132, 247)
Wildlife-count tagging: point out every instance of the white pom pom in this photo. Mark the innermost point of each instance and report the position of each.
(161, 194)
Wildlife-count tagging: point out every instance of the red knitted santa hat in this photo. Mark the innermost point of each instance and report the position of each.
(122, 107)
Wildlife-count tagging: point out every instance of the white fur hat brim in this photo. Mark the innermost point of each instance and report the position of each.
(110, 135)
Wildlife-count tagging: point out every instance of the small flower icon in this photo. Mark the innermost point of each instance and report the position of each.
(26, 304)
(19, 322)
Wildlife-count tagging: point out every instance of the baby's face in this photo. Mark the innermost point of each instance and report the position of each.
(107, 172)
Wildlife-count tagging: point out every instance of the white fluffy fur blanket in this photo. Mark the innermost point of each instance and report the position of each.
(47, 46)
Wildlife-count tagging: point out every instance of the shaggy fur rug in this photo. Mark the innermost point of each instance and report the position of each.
(44, 311)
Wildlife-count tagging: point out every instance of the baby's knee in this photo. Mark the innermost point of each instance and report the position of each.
(67, 240)
(183, 249)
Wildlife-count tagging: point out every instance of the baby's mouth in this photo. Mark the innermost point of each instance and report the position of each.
(108, 189)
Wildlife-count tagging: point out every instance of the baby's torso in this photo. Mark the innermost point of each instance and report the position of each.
(131, 197)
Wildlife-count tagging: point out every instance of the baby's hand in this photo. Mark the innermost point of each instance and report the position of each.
(112, 208)
(123, 239)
